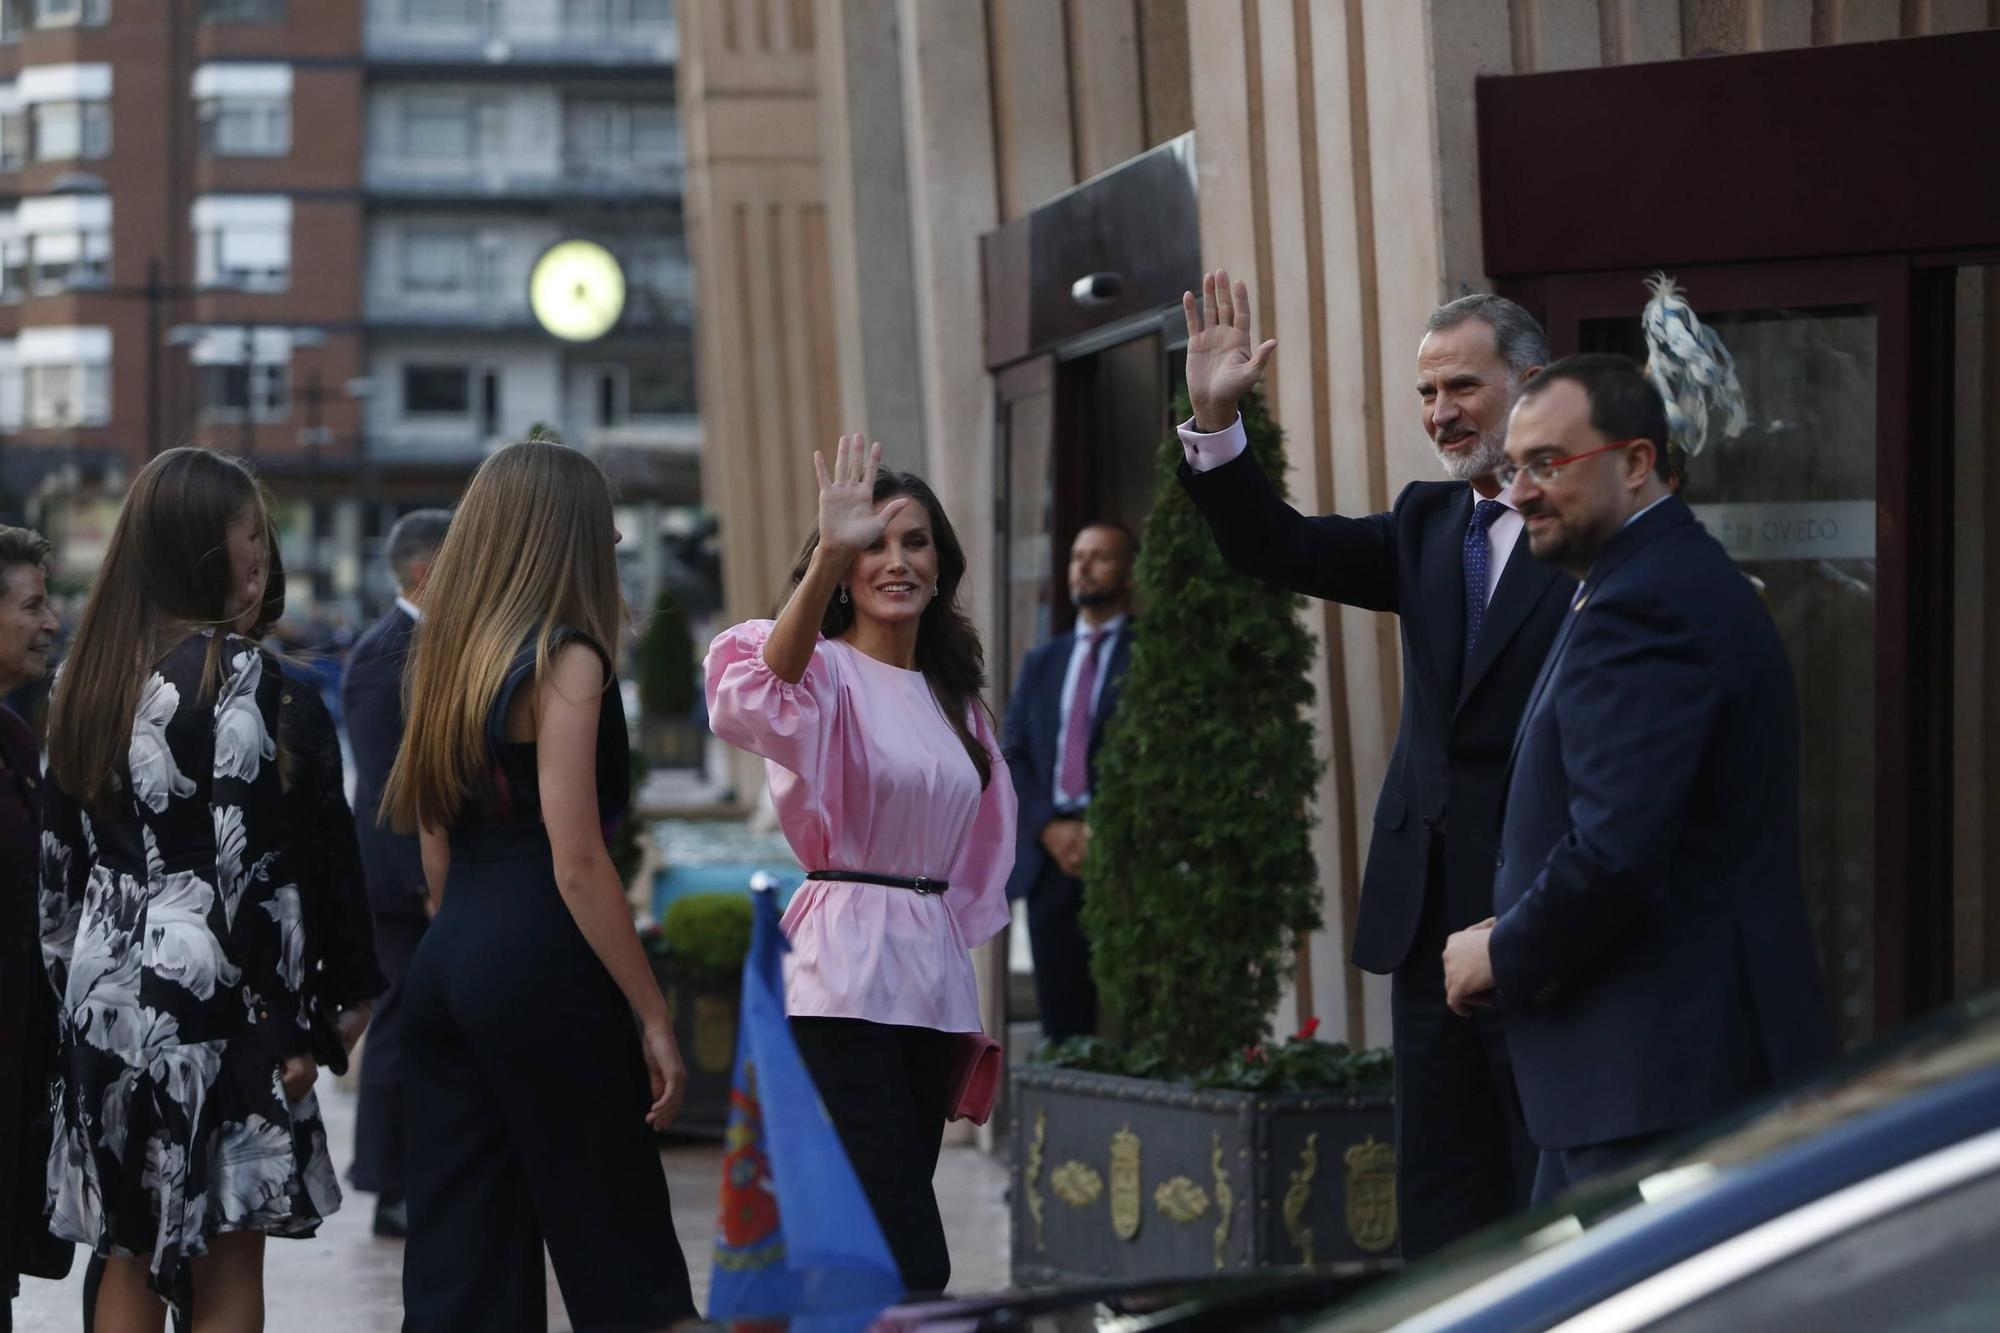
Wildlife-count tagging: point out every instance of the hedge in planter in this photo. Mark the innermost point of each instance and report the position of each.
(1221, 1154)
(697, 957)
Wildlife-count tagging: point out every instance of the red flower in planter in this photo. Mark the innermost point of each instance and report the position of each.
(1306, 1032)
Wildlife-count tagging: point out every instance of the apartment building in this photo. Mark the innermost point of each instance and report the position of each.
(302, 232)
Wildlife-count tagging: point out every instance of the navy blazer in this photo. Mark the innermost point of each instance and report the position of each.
(371, 699)
(1652, 951)
(1447, 773)
(1031, 743)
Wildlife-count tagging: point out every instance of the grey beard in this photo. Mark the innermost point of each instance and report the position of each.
(1481, 462)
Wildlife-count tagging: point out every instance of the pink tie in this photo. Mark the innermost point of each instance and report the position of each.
(1076, 736)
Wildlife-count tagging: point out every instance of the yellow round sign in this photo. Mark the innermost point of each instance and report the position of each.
(577, 290)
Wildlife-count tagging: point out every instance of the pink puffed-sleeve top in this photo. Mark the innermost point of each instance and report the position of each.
(868, 775)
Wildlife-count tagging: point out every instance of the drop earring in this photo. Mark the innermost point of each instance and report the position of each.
(936, 588)
(843, 594)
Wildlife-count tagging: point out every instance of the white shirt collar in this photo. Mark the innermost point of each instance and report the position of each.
(408, 607)
(1647, 510)
(1110, 627)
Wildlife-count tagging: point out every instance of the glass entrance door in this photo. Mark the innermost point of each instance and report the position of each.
(1813, 499)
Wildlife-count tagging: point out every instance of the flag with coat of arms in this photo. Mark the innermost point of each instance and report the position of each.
(795, 1236)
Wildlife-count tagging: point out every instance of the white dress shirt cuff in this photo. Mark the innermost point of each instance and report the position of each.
(1205, 453)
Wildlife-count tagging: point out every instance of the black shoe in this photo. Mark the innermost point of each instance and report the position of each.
(392, 1220)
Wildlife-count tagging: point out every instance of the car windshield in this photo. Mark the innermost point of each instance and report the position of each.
(1963, 1040)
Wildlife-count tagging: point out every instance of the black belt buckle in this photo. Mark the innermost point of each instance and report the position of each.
(923, 884)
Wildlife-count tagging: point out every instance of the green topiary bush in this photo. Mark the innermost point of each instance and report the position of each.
(666, 662)
(708, 936)
(1201, 875)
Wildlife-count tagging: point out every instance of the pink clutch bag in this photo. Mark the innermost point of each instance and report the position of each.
(975, 1076)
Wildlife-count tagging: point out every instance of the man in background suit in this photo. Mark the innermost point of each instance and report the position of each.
(371, 697)
(1651, 948)
(1068, 689)
(1477, 617)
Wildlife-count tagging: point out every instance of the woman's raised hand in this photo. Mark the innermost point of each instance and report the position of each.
(849, 522)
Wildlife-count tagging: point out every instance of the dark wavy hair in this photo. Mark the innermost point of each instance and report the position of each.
(948, 649)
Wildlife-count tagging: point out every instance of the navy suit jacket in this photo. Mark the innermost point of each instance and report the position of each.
(1031, 741)
(1447, 774)
(371, 698)
(1652, 951)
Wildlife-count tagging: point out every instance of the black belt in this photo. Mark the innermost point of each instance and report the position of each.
(917, 884)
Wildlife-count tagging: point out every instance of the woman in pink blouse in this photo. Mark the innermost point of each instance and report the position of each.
(864, 699)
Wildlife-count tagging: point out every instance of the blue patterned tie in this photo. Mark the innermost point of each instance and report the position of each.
(1478, 555)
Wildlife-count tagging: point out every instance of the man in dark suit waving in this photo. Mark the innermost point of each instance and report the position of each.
(1651, 948)
(371, 697)
(1477, 615)
(1068, 689)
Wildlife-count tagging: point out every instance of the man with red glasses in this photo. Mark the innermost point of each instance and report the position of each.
(1477, 616)
(1651, 948)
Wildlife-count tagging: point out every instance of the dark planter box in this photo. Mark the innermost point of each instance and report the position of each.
(705, 1019)
(672, 742)
(1127, 1178)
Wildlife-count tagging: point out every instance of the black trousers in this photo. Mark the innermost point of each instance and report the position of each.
(524, 1099)
(887, 1089)
(1064, 992)
(1463, 1157)
(378, 1122)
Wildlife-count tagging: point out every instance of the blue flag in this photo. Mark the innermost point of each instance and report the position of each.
(795, 1236)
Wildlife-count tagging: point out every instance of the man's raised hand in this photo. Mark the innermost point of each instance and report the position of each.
(1222, 365)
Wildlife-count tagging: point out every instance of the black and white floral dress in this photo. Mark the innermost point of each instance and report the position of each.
(173, 932)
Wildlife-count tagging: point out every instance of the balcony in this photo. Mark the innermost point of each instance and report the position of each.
(437, 181)
(582, 34)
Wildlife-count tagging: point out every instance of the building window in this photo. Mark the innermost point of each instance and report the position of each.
(59, 261)
(247, 127)
(227, 391)
(436, 391)
(13, 268)
(656, 136)
(437, 260)
(67, 240)
(622, 134)
(12, 20)
(72, 13)
(13, 139)
(243, 242)
(653, 12)
(439, 11)
(437, 127)
(658, 391)
(243, 11)
(627, 395)
(66, 131)
(68, 395)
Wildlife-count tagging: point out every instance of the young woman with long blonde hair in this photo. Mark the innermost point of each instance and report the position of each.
(172, 921)
(531, 1088)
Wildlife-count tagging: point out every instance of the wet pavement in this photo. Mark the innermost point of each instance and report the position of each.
(346, 1281)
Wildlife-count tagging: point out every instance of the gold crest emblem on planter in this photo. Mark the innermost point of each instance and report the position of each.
(714, 1033)
(1076, 1184)
(1371, 1194)
(1034, 1181)
(1180, 1200)
(1225, 1198)
(1297, 1195)
(1126, 1209)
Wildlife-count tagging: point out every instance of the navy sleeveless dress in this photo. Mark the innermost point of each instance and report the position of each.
(526, 1090)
